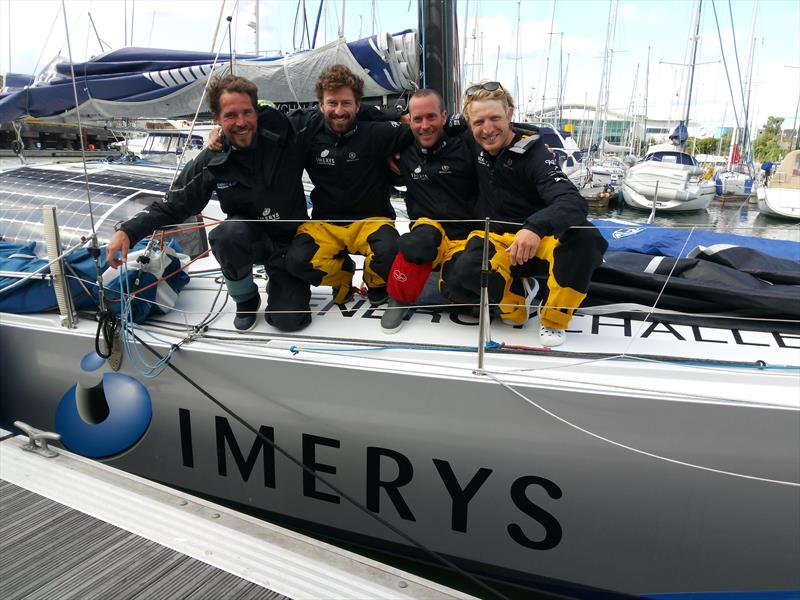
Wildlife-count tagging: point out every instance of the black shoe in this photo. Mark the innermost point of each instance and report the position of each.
(377, 296)
(245, 319)
(393, 316)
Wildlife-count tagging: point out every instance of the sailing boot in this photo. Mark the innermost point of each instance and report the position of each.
(393, 316)
(246, 313)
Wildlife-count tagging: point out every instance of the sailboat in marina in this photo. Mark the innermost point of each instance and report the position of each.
(780, 196)
(669, 179)
(641, 442)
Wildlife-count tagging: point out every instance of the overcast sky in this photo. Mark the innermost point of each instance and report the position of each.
(32, 32)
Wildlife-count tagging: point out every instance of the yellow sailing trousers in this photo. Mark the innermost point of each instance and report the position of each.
(319, 253)
(461, 276)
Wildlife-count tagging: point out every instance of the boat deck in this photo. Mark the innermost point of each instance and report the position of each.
(72, 528)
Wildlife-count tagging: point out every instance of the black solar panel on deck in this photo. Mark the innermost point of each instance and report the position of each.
(116, 195)
(24, 191)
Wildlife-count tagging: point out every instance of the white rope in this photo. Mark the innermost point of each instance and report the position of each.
(637, 450)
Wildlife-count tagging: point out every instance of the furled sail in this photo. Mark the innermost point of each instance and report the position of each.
(152, 83)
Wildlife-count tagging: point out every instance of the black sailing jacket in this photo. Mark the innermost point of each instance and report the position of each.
(261, 182)
(349, 171)
(441, 184)
(524, 184)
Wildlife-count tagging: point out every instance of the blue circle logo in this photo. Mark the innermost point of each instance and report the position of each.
(107, 418)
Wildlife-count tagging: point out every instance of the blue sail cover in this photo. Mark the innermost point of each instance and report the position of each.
(679, 135)
(153, 83)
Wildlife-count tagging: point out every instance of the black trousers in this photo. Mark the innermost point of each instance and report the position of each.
(238, 245)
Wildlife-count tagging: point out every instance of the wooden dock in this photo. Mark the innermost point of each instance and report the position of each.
(74, 528)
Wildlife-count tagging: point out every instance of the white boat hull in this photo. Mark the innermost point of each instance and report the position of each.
(779, 202)
(591, 470)
(734, 184)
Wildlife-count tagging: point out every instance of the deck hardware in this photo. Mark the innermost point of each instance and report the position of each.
(42, 437)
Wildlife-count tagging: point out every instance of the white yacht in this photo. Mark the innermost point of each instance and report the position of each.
(781, 196)
(670, 179)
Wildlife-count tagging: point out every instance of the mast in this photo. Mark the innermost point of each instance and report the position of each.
(695, 39)
(547, 61)
(560, 75)
(437, 21)
(630, 116)
(464, 52)
(746, 141)
(603, 77)
(646, 91)
(517, 98)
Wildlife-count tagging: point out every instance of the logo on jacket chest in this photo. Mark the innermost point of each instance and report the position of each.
(222, 185)
(324, 158)
(268, 215)
(418, 174)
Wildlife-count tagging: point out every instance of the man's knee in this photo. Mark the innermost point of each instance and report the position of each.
(288, 301)
(421, 244)
(230, 234)
(298, 258)
(383, 246)
(288, 322)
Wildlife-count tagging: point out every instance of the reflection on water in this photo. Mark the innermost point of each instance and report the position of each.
(724, 215)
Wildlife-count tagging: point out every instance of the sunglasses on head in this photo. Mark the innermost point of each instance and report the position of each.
(489, 86)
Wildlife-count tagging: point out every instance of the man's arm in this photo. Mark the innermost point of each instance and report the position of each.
(565, 207)
(188, 196)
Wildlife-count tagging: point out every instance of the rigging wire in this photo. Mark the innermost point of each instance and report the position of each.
(638, 450)
(202, 99)
(95, 248)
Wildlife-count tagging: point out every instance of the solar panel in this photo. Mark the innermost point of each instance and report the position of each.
(116, 195)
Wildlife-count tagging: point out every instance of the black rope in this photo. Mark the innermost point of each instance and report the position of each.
(353, 501)
(107, 325)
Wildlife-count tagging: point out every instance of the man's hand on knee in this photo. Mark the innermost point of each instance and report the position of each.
(524, 246)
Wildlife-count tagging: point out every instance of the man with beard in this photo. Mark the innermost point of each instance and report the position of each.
(352, 212)
(257, 179)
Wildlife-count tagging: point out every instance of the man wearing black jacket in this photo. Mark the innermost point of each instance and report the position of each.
(346, 160)
(441, 190)
(257, 179)
(520, 182)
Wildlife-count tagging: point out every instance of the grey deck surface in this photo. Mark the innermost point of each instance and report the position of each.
(48, 550)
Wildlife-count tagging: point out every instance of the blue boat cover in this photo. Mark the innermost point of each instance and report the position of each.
(155, 83)
(37, 295)
(661, 241)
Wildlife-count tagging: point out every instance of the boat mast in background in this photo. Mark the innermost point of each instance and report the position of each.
(440, 64)
(643, 141)
(695, 40)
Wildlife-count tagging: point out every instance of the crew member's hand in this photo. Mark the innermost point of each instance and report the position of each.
(119, 244)
(392, 162)
(214, 140)
(524, 246)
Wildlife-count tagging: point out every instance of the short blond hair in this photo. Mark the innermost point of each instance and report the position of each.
(499, 94)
